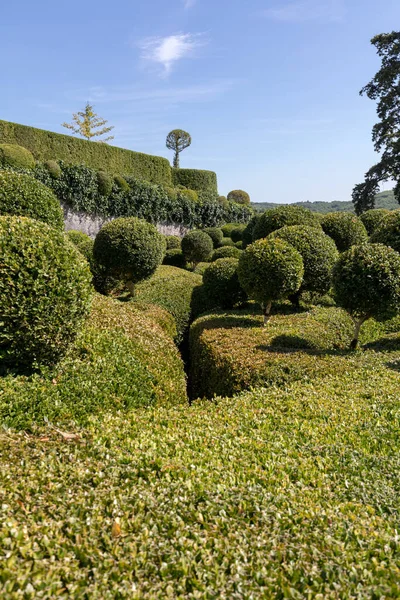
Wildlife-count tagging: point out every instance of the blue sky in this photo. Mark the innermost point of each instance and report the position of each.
(268, 89)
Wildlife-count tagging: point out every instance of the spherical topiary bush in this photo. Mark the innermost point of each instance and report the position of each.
(53, 168)
(366, 281)
(345, 229)
(247, 235)
(16, 157)
(222, 200)
(104, 183)
(172, 241)
(24, 196)
(174, 258)
(275, 218)
(239, 196)
(237, 233)
(45, 292)
(228, 228)
(227, 241)
(388, 231)
(270, 269)
(226, 252)
(197, 247)
(319, 254)
(130, 249)
(215, 234)
(239, 245)
(372, 218)
(83, 242)
(121, 183)
(221, 283)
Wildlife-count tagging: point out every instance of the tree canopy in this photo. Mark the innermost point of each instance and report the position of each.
(178, 140)
(89, 125)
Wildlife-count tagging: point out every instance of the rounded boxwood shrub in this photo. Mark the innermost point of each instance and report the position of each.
(221, 283)
(25, 196)
(237, 233)
(197, 246)
(345, 229)
(270, 269)
(227, 241)
(45, 292)
(53, 168)
(239, 196)
(319, 254)
(121, 183)
(83, 242)
(275, 218)
(239, 245)
(129, 248)
(388, 231)
(366, 282)
(172, 241)
(105, 183)
(174, 258)
(228, 228)
(247, 235)
(215, 234)
(372, 218)
(16, 157)
(225, 252)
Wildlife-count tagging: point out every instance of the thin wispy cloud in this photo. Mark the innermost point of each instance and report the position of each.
(302, 11)
(167, 51)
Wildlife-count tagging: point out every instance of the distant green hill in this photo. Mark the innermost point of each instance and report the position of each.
(383, 200)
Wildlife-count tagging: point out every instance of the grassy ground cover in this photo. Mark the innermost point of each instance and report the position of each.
(274, 494)
(231, 351)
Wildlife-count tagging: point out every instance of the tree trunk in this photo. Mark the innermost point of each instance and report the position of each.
(266, 312)
(131, 288)
(176, 159)
(357, 327)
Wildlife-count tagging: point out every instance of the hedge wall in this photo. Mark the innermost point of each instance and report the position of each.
(46, 145)
(194, 179)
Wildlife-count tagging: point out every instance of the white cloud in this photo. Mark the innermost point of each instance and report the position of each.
(168, 50)
(325, 11)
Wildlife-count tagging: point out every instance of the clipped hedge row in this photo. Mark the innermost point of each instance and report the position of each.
(195, 179)
(46, 145)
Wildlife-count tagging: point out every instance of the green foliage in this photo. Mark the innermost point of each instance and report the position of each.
(230, 352)
(45, 292)
(129, 248)
(318, 252)
(17, 157)
(372, 218)
(172, 241)
(178, 140)
(89, 125)
(239, 196)
(23, 195)
(83, 242)
(226, 242)
(228, 228)
(270, 270)
(197, 247)
(172, 289)
(247, 235)
(388, 231)
(367, 281)
(121, 183)
(225, 252)
(215, 234)
(237, 233)
(190, 195)
(194, 179)
(345, 229)
(239, 245)
(174, 258)
(53, 168)
(221, 283)
(46, 145)
(276, 218)
(105, 183)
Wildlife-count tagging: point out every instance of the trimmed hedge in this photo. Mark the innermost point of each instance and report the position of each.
(46, 145)
(388, 231)
(174, 258)
(194, 179)
(45, 292)
(345, 229)
(239, 196)
(227, 241)
(372, 218)
(16, 157)
(275, 218)
(197, 246)
(237, 233)
(215, 234)
(225, 252)
(172, 241)
(83, 242)
(22, 195)
(172, 289)
(221, 283)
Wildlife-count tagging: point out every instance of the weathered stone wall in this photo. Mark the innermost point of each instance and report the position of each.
(91, 224)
